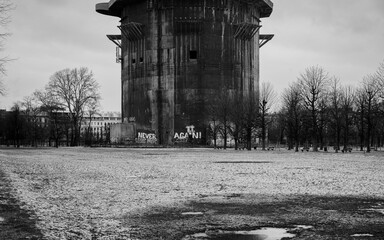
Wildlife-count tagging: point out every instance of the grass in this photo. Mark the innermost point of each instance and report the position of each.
(96, 193)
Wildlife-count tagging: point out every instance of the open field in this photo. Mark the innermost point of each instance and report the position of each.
(83, 193)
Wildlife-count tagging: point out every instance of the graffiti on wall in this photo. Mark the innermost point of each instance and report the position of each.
(145, 136)
(190, 133)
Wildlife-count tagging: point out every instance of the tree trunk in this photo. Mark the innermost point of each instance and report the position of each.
(346, 137)
(225, 136)
(214, 135)
(314, 130)
(297, 141)
(369, 127)
(249, 138)
(263, 132)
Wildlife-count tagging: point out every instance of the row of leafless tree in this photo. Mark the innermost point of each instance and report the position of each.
(320, 106)
(236, 115)
(315, 110)
(68, 96)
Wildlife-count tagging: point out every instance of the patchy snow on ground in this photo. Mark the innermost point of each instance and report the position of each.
(80, 193)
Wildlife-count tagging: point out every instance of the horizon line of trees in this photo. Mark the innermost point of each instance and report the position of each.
(316, 110)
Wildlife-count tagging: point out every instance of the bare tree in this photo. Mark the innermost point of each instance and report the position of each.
(267, 100)
(92, 111)
(2, 88)
(32, 111)
(251, 115)
(222, 112)
(293, 106)
(360, 99)
(379, 75)
(323, 123)
(371, 91)
(223, 109)
(5, 7)
(54, 110)
(76, 90)
(336, 111)
(313, 86)
(347, 99)
(236, 116)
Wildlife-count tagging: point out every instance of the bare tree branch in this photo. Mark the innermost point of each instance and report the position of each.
(336, 110)
(76, 90)
(313, 84)
(347, 100)
(5, 7)
(293, 104)
(379, 75)
(267, 100)
(368, 100)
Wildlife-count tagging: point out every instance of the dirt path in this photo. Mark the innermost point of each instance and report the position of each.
(15, 222)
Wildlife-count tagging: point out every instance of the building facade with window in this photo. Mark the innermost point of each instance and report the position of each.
(100, 124)
(177, 55)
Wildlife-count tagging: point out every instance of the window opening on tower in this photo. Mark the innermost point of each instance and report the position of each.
(193, 54)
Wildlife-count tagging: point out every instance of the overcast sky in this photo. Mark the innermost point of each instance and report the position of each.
(345, 37)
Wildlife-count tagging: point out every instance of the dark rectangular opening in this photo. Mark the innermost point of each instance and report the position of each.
(133, 60)
(193, 54)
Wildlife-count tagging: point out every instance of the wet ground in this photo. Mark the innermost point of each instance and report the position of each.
(241, 217)
(189, 195)
(15, 222)
(260, 234)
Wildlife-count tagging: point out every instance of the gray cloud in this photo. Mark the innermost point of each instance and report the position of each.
(343, 36)
(48, 36)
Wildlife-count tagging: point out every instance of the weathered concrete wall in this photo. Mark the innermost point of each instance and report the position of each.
(177, 55)
(123, 132)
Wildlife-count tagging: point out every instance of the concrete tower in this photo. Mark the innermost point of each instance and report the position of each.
(177, 54)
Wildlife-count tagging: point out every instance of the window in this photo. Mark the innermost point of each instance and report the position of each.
(193, 54)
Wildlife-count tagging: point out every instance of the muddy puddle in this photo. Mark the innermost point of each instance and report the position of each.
(243, 162)
(192, 213)
(362, 235)
(379, 210)
(260, 234)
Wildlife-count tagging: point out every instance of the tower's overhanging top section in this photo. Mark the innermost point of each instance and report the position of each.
(114, 7)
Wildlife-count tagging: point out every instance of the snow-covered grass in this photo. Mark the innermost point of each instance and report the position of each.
(82, 192)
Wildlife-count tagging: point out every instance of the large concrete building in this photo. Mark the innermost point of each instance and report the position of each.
(176, 55)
